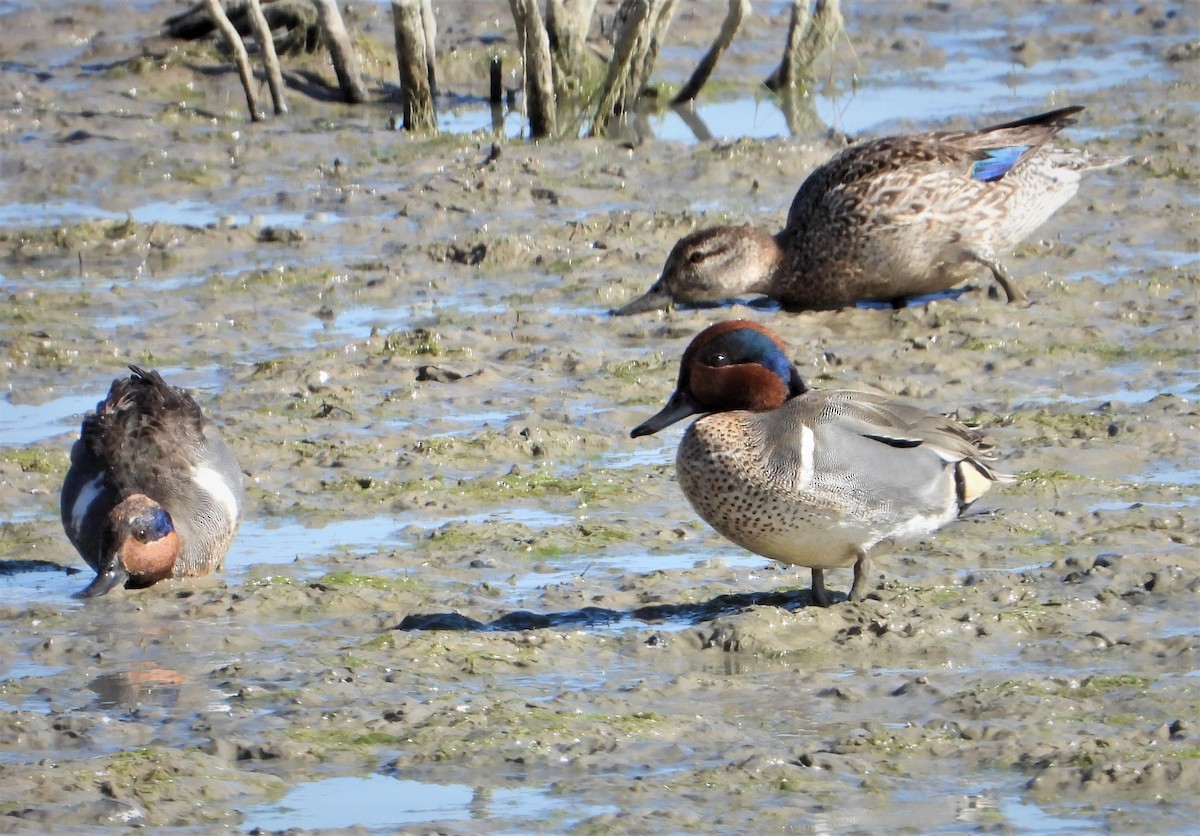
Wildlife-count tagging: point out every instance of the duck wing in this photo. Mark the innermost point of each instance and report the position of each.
(868, 450)
(875, 175)
(146, 431)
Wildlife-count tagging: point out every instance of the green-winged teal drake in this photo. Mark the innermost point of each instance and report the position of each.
(153, 492)
(810, 477)
(888, 219)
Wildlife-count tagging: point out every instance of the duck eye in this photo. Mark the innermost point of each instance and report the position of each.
(696, 257)
(720, 359)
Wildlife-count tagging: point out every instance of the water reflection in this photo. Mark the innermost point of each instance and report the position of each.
(953, 89)
(129, 689)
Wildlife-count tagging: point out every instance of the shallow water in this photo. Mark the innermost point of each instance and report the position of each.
(477, 605)
(383, 804)
(972, 74)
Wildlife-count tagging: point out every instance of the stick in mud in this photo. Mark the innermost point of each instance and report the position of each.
(341, 51)
(240, 57)
(539, 75)
(266, 46)
(412, 57)
(738, 9)
(802, 50)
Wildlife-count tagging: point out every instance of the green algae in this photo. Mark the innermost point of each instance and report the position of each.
(71, 237)
(1102, 684)
(529, 728)
(633, 371)
(588, 486)
(270, 581)
(585, 487)
(335, 738)
(1046, 476)
(419, 342)
(543, 544)
(49, 461)
(737, 739)
(377, 583)
(156, 775)
(1109, 353)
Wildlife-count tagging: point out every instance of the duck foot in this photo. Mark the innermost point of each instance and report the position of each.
(820, 595)
(1004, 278)
(862, 568)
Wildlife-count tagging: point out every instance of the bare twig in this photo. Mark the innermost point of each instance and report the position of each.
(632, 14)
(241, 59)
(297, 19)
(653, 34)
(738, 9)
(783, 77)
(496, 81)
(802, 51)
(266, 45)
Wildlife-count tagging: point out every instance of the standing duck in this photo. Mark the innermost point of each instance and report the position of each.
(152, 491)
(810, 477)
(889, 219)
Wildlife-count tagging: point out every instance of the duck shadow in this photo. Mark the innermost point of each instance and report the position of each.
(950, 294)
(766, 304)
(696, 613)
(11, 567)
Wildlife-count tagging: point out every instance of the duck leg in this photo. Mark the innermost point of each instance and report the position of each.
(820, 596)
(862, 568)
(1005, 279)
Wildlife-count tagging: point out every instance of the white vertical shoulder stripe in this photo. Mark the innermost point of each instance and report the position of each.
(83, 501)
(808, 449)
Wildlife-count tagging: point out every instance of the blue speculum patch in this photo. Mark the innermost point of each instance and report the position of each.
(997, 163)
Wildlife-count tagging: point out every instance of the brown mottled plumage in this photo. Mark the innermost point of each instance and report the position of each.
(889, 219)
(808, 477)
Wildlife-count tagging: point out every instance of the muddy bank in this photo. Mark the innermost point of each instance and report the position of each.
(407, 344)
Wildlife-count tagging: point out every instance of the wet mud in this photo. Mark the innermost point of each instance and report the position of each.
(457, 569)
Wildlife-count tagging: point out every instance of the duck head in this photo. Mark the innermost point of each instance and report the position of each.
(730, 365)
(139, 546)
(712, 265)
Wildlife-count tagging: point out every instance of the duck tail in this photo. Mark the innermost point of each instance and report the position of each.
(1091, 163)
(1055, 119)
(1000, 147)
(973, 478)
(140, 375)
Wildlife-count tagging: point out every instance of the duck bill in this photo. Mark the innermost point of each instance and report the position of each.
(110, 576)
(680, 406)
(655, 299)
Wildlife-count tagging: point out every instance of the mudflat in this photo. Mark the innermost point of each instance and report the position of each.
(458, 570)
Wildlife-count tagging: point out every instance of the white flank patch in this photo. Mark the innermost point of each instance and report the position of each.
(213, 483)
(87, 495)
(808, 449)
